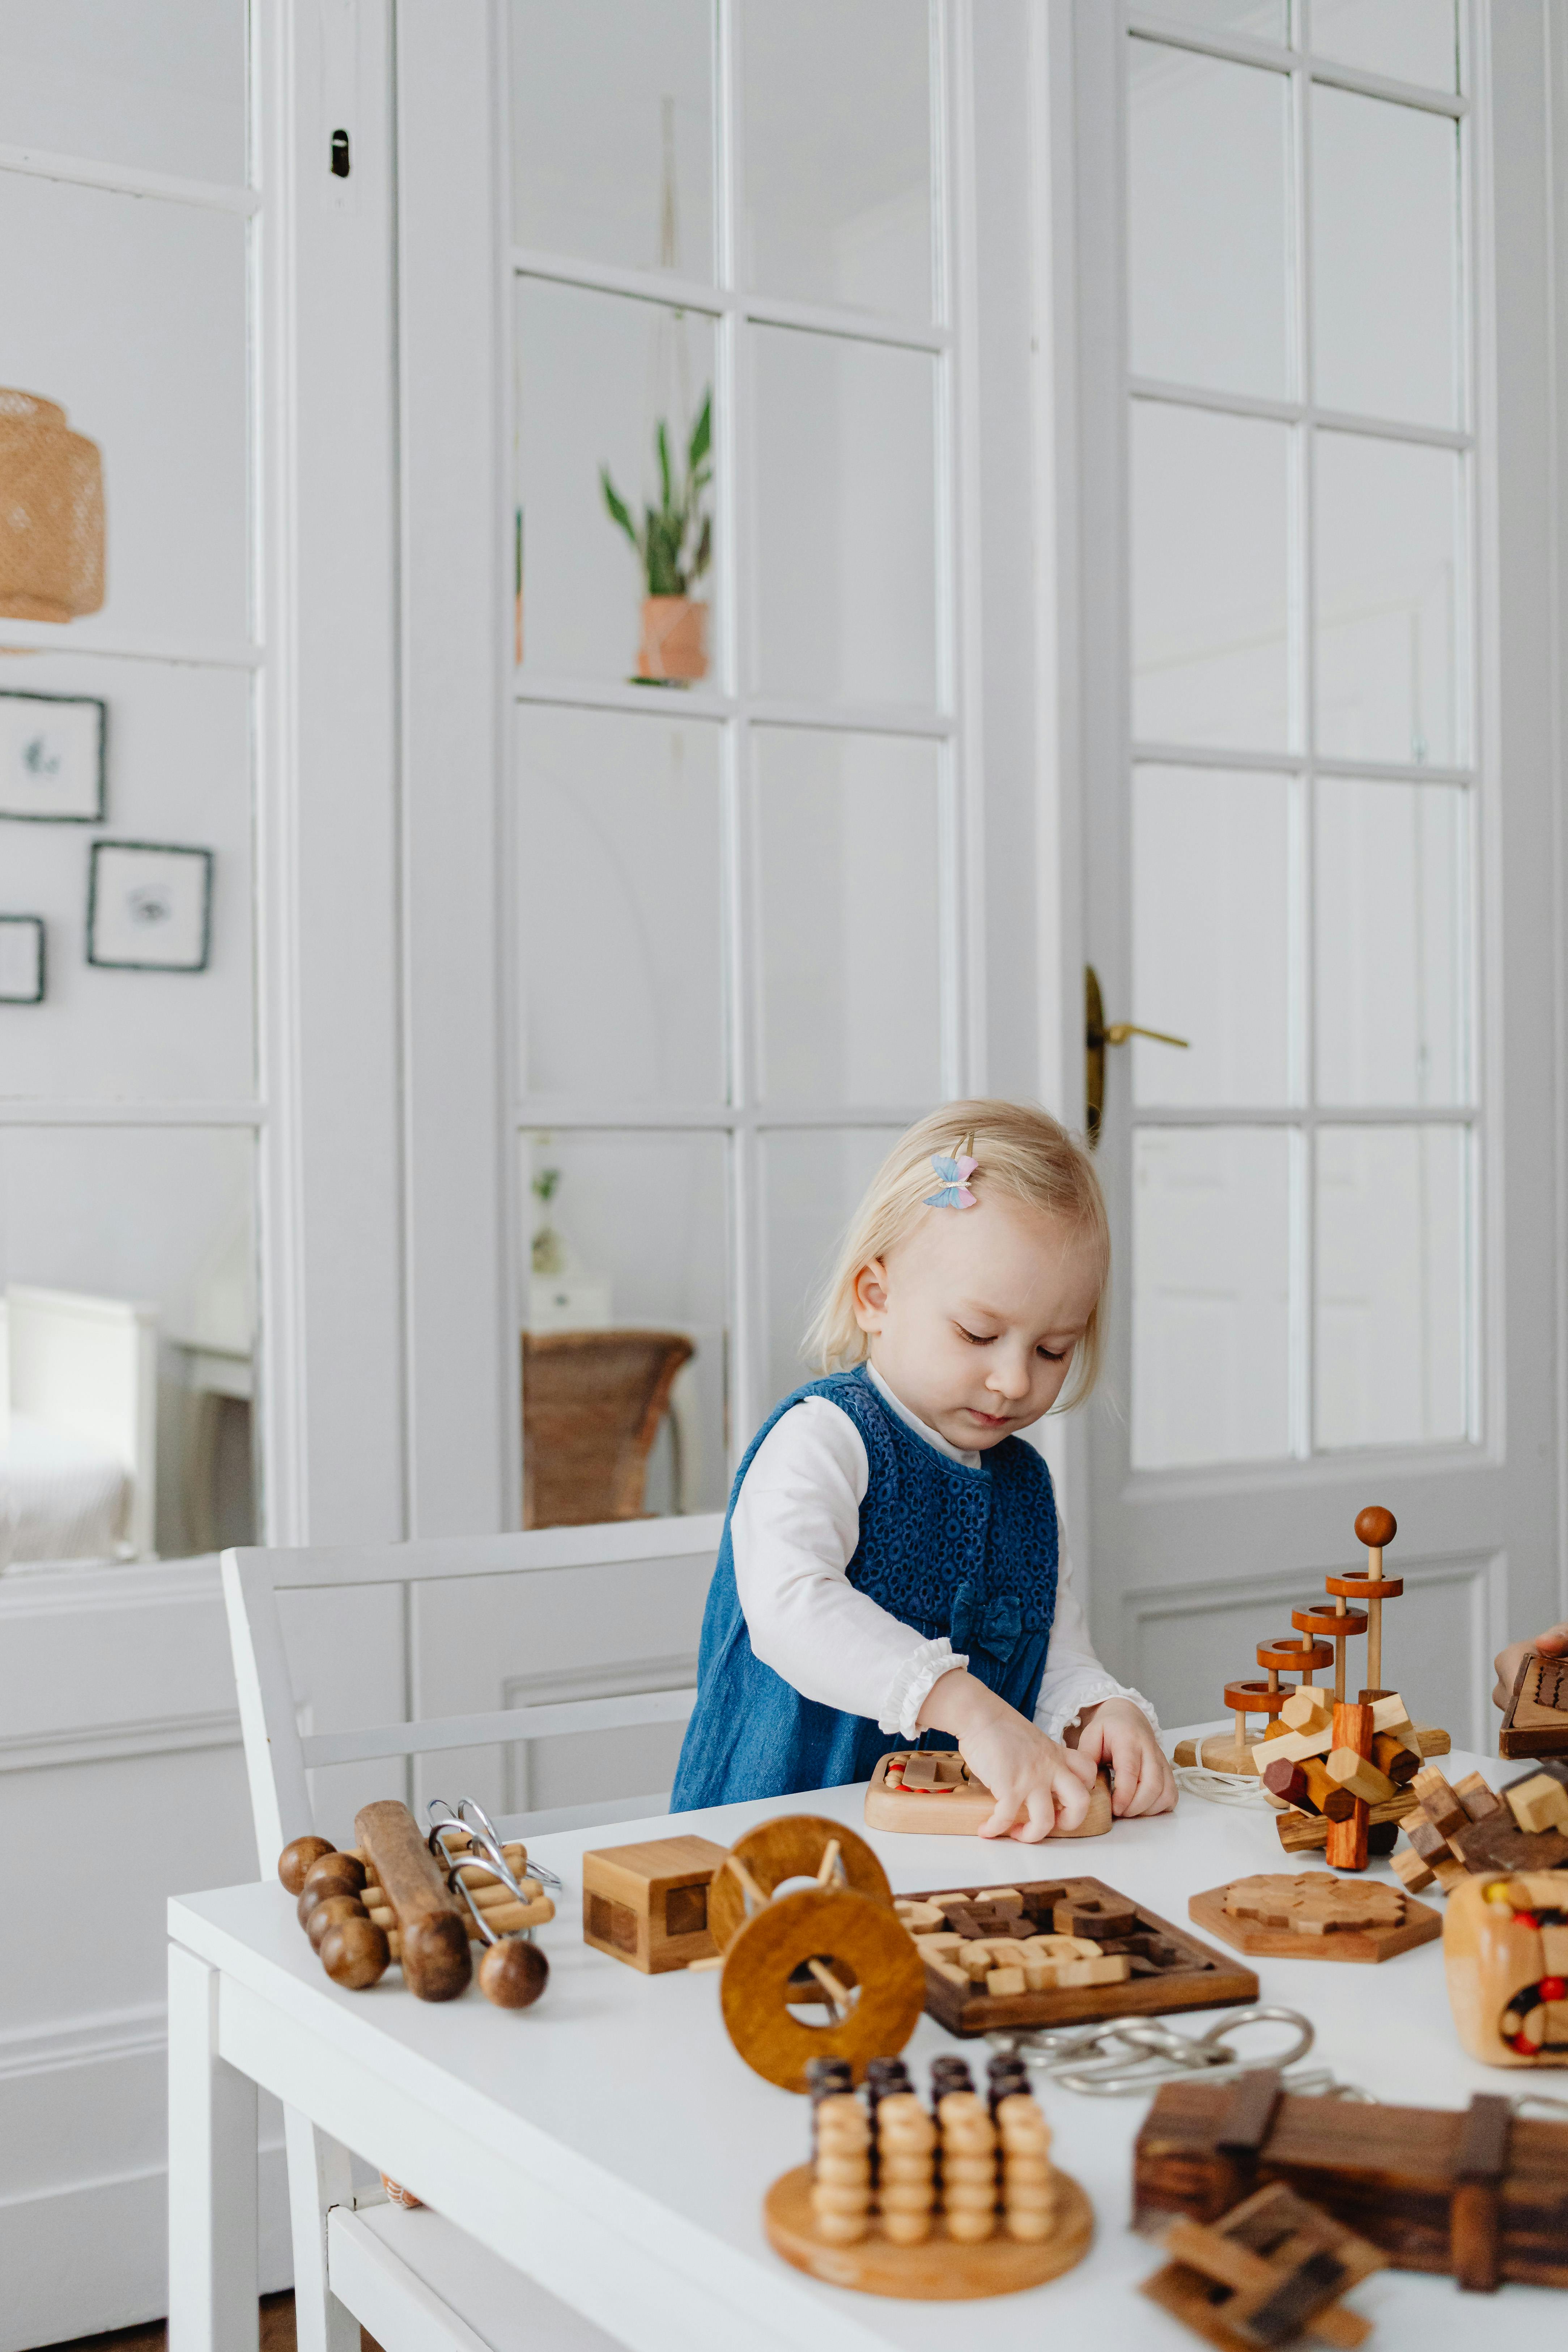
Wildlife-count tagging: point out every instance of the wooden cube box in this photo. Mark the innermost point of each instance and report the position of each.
(647, 1904)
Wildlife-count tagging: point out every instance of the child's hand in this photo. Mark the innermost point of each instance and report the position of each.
(1036, 1782)
(1116, 1733)
(1555, 1642)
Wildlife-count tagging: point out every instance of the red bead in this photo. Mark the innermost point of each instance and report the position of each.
(1553, 1989)
(1525, 1919)
(1526, 2049)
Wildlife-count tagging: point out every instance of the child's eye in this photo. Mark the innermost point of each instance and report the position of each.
(1054, 1355)
(976, 1339)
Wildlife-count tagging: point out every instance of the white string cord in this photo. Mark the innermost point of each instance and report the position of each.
(1243, 1788)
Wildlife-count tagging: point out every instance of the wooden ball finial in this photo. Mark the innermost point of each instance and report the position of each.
(1375, 1525)
(513, 1974)
(297, 1857)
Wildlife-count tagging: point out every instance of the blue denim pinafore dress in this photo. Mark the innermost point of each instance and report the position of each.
(971, 1554)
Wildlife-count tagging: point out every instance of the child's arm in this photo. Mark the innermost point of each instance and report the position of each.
(1555, 1642)
(1036, 1782)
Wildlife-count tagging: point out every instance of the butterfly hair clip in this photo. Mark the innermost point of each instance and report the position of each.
(954, 1175)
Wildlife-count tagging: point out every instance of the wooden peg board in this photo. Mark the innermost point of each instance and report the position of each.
(1536, 1722)
(931, 1793)
(1169, 1969)
(937, 2270)
(1366, 1922)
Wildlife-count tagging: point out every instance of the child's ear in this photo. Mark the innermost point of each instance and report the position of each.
(871, 1296)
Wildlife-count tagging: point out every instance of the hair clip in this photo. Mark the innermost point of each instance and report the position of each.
(955, 1174)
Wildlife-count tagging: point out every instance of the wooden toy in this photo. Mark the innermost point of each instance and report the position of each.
(647, 1904)
(1504, 1948)
(1457, 1830)
(941, 2206)
(1481, 2193)
(1314, 1917)
(837, 1943)
(1536, 1721)
(1272, 2271)
(1001, 1958)
(1298, 1713)
(932, 1792)
(358, 1923)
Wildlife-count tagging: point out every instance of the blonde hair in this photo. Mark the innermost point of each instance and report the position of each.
(1022, 1152)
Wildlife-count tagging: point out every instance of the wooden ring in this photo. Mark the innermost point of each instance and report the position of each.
(791, 1847)
(1254, 1698)
(854, 1931)
(1295, 1657)
(1354, 1586)
(1323, 1621)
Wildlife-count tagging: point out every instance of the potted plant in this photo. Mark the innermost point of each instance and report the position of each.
(673, 548)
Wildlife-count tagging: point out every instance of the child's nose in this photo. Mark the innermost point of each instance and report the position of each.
(1009, 1376)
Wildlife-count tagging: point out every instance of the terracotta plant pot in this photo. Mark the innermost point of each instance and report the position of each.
(674, 639)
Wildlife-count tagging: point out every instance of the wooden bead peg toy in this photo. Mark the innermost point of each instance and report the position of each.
(647, 1904)
(1505, 1949)
(941, 2206)
(1315, 1916)
(932, 1792)
(1536, 1722)
(1272, 2271)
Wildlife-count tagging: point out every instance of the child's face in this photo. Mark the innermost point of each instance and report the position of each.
(973, 1317)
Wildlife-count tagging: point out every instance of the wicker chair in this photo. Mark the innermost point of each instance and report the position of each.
(592, 1404)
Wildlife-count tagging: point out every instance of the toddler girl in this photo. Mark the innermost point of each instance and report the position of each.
(890, 1563)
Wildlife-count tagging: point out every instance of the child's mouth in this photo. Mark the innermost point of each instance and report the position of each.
(989, 1419)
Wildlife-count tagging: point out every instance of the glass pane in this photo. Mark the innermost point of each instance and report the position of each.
(845, 562)
(836, 145)
(1410, 40)
(1211, 929)
(175, 770)
(851, 975)
(130, 1256)
(160, 89)
(620, 895)
(1388, 580)
(1392, 969)
(1208, 223)
(813, 1180)
(1210, 1237)
(1392, 1285)
(598, 377)
(1261, 20)
(624, 1292)
(1209, 540)
(1385, 252)
(612, 132)
(131, 317)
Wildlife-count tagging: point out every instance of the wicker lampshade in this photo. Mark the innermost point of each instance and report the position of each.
(51, 513)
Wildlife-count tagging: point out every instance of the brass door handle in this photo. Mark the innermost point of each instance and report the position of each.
(1096, 1036)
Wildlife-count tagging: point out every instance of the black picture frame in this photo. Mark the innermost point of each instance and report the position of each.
(203, 858)
(95, 815)
(34, 923)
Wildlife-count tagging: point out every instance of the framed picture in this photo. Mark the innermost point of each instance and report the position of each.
(149, 906)
(52, 758)
(21, 959)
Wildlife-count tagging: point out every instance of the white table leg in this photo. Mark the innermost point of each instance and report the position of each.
(213, 2287)
(320, 2176)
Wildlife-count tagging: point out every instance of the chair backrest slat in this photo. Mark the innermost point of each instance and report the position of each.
(641, 1708)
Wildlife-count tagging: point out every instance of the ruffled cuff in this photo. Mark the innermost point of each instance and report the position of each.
(907, 1695)
(1061, 1714)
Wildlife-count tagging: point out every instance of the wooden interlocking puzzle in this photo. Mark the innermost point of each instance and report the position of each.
(932, 1792)
(1536, 1722)
(1313, 1916)
(1460, 1828)
(1058, 1951)
(1272, 2271)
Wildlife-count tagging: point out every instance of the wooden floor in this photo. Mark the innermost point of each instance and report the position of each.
(276, 2333)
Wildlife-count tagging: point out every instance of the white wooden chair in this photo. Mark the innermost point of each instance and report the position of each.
(608, 1615)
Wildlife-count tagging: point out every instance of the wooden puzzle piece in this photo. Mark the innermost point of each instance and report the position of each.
(1314, 1916)
(1272, 2270)
(1536, 1720)
(931, 1793)
(1314, 1902)
(1505, 1948)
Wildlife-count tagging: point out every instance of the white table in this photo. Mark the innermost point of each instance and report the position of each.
(610, 2142)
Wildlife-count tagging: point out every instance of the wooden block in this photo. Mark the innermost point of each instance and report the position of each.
(1438, 1800)
(1431, 1740)
(1100, 1922)
(955, 1808)
(1390, 1713)
(1536, 1720)
(1352, 1727)
(1294, 1745)
(1287, 1781)
(1412, 1873)
(1345, 1844)
(1359, 1776)
(1394, 1757)
(1480, 2167)
(1477, 1796)
(1109, 1969)
(1428, 1839)
(1306, 1707)
(647, 1904)
(1272, 2268)
(1002, 1981)
(1316, 1917)
(1497, 1843)
(1539, 1803)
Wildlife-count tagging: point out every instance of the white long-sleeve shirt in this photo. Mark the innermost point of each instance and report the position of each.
(794, 1529)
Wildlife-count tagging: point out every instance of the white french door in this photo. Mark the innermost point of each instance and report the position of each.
(1318, 709)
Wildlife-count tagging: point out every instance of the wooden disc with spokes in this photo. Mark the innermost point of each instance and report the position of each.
(796, 1846)
(865, 1961)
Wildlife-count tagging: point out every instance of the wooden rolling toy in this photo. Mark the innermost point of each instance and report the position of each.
(1272, 2271)
(1504, 1948)
(939, 2204)
(1319, 1640)
(1315, 1916)
(931, 1793)
(1536, 1722)
(1481, 2193)
(1062, 1951)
